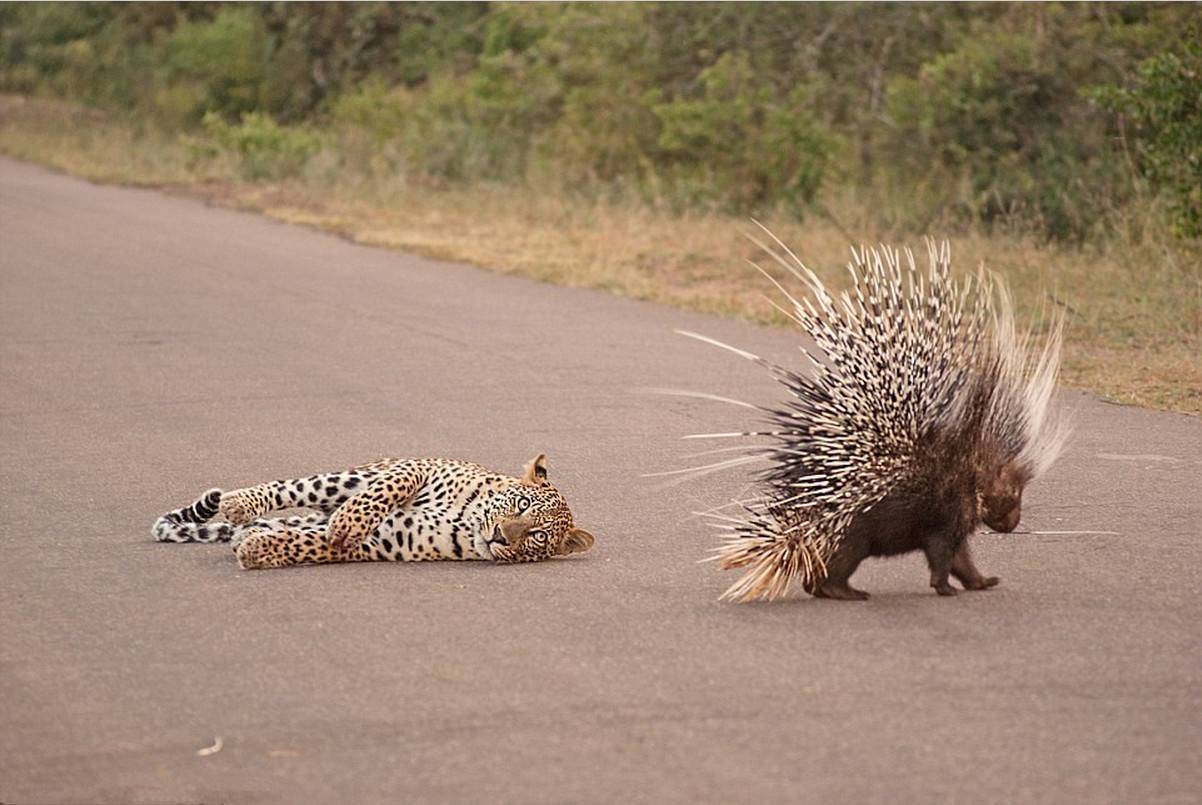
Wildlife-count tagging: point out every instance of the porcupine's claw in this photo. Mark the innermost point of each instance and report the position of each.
(945, 589)
(966, 572)
(840, 592)
(925, 401)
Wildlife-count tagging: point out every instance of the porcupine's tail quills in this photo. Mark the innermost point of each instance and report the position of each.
(775, 556)
(191, 523)
(907, 363)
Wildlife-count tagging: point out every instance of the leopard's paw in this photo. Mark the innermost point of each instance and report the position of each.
(347, 529)
(236, 536)
(258, 550)
(243, 505)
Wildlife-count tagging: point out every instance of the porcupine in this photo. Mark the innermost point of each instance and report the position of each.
(925, 414)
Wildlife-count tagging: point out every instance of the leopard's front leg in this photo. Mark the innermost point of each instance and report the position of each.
(362, 513)
(290, 541)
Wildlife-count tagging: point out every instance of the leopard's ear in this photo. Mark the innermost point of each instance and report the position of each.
(536, 471)
(577, 540)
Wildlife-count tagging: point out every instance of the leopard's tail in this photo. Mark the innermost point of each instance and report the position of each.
(191, 523)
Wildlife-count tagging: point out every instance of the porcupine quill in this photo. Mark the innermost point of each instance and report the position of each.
(924, 414)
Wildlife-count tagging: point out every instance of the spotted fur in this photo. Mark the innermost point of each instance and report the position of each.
(408, 510)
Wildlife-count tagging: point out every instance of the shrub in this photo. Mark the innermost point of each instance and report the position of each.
(265, 149)
(372, 108)
(733, 142)
(1163, 107)
(222, 59)
(481, 126)
(949, 112)
(987, 122)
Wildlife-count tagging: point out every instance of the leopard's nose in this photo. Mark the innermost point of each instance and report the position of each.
(497, 536)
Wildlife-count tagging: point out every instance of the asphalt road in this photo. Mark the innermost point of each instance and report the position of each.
(151, 347)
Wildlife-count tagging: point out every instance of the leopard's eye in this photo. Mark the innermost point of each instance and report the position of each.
(523, 504)
(537, 535)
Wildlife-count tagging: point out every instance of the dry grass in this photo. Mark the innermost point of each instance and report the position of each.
(1134, 310)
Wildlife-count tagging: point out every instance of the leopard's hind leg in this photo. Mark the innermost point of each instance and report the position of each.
(290, 541)
(325, 492)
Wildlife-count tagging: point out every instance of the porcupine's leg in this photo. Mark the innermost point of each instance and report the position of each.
(966, 572)
(839, 570)
(940, 548)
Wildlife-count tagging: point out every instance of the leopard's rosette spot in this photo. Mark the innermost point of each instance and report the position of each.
(410, 510)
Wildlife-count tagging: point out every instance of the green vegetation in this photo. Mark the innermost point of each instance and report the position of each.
(1164, 107)
(1051, 118)
(265, 149)
(622, 146)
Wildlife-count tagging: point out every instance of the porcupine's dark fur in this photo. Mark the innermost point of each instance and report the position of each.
(925, 414)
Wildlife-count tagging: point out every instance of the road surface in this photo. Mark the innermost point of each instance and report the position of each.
(152, 347)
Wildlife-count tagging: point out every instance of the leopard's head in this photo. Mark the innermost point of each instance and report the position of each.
(531, 521)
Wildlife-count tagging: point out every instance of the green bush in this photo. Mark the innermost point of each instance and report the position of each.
(928, 114)
(39, 43)
(221, 62)
(986, 122)
(265, 149)
(373, 108)
(481, 126)
(735, 143)
(1163, 108)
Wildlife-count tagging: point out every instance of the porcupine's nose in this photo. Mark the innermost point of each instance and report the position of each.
(1008, 522)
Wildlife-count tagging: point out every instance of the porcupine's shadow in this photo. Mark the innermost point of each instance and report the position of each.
(900, 582)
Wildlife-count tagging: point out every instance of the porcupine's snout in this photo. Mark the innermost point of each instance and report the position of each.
(1007, 522)
(1001, 503)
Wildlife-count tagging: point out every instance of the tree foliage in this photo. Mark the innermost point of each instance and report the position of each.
(1163, 108)
(1013, 115)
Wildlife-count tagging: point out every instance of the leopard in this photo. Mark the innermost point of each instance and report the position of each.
(401, 510)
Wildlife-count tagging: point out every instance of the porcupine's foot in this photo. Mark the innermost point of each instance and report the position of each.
(966, 572)
(840, 591)
(836, 585)
(941, 549)
(941, 585)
